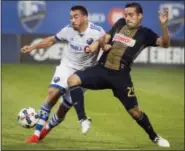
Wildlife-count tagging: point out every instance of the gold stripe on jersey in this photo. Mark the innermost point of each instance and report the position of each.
(118, 49)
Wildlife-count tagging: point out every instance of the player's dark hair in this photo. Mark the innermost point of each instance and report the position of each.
(135, 5)
(81, 8)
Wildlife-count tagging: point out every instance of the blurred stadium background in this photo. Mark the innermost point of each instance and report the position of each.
(158, 75)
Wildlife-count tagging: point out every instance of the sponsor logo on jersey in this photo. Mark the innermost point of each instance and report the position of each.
(76, 47)
(124, 40)
(31, 14)
(176, 17)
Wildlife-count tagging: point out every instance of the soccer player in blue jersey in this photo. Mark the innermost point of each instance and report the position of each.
(78, 35)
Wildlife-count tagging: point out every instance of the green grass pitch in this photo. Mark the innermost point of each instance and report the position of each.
(160, 92)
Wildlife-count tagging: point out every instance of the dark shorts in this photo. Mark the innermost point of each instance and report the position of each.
(99, 77)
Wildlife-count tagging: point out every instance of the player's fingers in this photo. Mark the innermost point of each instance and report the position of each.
(165, 12)
(25, 49)
(22, 50)
(161, 13)
(107, 47)
(165, 9)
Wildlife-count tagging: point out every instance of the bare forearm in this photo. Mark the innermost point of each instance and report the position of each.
(104, 40)
(165, 36)
(100, 43)
(94, 46)
(47, 42)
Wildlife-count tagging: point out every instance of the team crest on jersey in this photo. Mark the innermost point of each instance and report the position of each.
(176, 17)
(127, 41)
(89, 41)
(31, 14)
(56, 79)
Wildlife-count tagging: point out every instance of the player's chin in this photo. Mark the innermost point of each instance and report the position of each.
(130, 25)
(75, 27)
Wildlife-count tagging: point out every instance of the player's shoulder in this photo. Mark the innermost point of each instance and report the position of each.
(120, 22)
(95, 27)
(68, 30)
(68, 27)
(146, 29)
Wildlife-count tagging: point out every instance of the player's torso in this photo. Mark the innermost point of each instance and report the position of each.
(126, 45)
(74, 53)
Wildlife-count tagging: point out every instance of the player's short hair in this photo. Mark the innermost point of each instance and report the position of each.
(135, 5)
(81, 8)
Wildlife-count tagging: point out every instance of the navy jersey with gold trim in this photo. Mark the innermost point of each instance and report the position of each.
(126, 44)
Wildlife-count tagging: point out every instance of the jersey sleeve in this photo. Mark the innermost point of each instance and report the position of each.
(120, 23)
(151, 38)
(62, 34)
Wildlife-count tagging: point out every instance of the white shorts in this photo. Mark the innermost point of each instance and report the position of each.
(59, 81)
(60, 77)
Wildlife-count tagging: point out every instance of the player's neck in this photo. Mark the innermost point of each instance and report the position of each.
(132, 28)
(83, 28)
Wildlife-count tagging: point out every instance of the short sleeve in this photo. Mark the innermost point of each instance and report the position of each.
(151, 38)
(62, 34)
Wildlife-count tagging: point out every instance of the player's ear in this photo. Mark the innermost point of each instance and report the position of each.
(140, 16)
(85, 18)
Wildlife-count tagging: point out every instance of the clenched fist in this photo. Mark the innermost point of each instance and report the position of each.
(27, 49)
(107, 47)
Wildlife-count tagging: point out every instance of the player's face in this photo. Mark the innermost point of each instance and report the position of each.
(133, 19)
(77, 19)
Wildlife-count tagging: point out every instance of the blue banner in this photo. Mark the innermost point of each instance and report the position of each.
(48, 17)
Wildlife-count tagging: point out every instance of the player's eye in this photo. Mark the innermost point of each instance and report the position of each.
(76, 17)
(131, 15)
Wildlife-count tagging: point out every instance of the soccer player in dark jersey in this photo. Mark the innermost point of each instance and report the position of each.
(121, 45)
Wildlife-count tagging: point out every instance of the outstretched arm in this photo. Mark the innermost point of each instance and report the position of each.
(164, 40)
(47, 42)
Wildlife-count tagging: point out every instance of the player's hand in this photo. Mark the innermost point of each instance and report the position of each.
(107, 47)
(26, 49)
(163, 16)
(87, 49)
